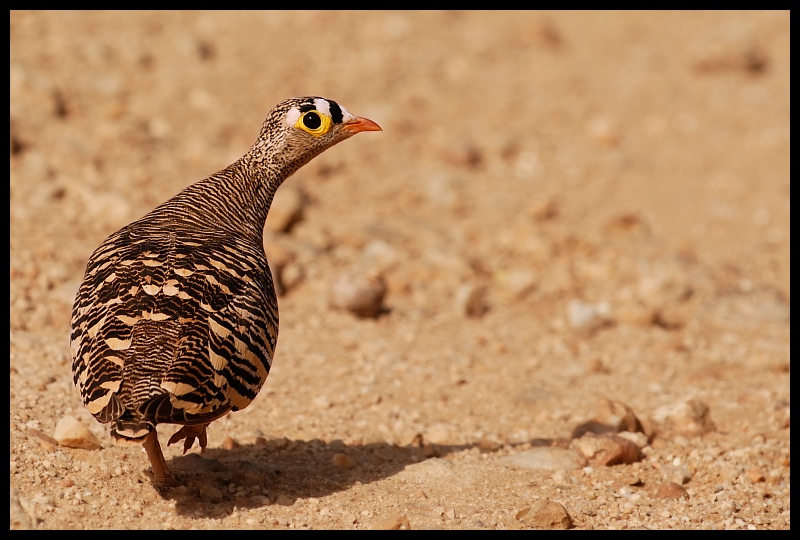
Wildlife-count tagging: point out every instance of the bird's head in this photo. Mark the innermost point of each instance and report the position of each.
(301, 128)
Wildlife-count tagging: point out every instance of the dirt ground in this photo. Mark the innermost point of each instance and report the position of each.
(566, 208)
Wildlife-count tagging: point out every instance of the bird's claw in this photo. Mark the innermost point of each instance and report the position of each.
(190, 433)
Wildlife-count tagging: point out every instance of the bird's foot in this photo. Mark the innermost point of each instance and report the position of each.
(162, 477)
(190, 433)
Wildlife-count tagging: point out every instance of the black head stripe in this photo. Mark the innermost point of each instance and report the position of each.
(305, 107)
(336, 112)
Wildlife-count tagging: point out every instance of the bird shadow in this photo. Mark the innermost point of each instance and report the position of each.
(279, 472)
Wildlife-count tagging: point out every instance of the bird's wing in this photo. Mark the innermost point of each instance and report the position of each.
(175, 328)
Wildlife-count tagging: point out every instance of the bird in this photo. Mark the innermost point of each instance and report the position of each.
(176, 318)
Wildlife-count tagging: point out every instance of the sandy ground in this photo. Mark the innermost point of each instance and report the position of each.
(566, 208)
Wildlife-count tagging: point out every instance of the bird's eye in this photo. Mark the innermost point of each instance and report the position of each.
(314, 122)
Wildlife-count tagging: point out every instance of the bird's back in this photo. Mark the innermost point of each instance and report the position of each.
(172, 324)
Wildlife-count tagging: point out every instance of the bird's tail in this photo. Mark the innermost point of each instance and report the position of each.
(131, 431)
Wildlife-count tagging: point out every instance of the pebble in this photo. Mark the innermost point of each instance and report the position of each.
(671, 490)
(349, 517)
(470, 300)
(587, 317)
(563, 478)
(546, 514)
(360, 294)
(291, 275)
(283, 500)
(392, 522)
(44, 500)
(464, 153)
(286, 210)
(606, 450)
(638, 438)
(518, 283)
(70, 432)
(379, 256)
(30, 432)
(604, 131)
(680, 474)
(754, 476)
(547, 458)
(342, 461)
(230, 443)
(438, 434)
(689, 418)
(210, 493)
(450, 514)
(621, 416)
(22, 516)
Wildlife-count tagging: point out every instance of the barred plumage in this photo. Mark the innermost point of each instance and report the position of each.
(176, 319)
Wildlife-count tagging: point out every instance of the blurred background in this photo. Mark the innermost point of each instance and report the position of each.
(562, 205)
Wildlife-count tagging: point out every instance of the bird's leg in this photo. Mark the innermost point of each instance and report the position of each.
(161, 474)
(190, 433)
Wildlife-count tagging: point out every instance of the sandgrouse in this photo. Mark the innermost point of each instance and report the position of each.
(176, 319)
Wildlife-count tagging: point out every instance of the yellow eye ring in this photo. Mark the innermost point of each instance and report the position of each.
(314, 122)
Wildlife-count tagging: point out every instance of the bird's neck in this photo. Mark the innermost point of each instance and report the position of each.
(234, 200)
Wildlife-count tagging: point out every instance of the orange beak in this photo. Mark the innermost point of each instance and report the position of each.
(361, 124)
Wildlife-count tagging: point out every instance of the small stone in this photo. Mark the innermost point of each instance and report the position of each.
(22, 516)
(680, 474)
(210, 493)
(450, 514)
(283, 500)
(393, 522)
(464, 153)
(438, 434)
(563, 478)
(342, 461)
(471, 300)
(379, 256)
(71, 433)
(604, 131)
(546, 514)
(229, 443)
(349, 517)
(671, 490)
(621, 416)
(689, 418)
(638, 438)
(597, 366)
(665, 514)
(291, 276)
(546, 458)
(361, 295)
(588, 317)
(259, 500)
(612, 417)
(35, 433)
(44, 500)
(518, 283)
(286, 210)
(754, 476)
(607, 450)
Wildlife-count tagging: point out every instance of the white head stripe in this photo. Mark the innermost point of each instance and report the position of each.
(323, 106)
(346, 116)
(292, 116)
